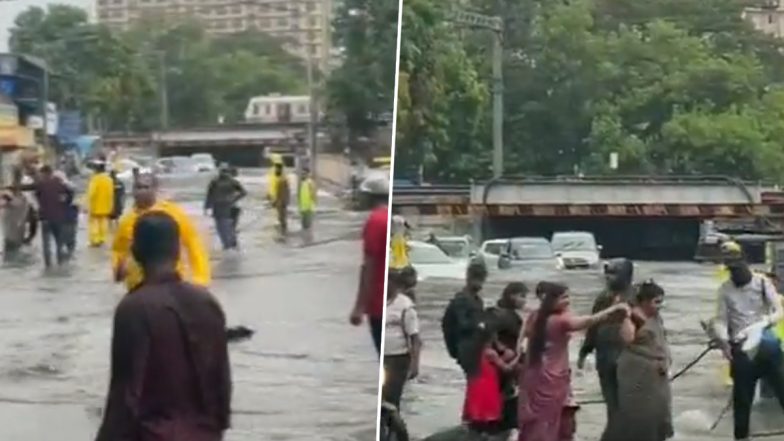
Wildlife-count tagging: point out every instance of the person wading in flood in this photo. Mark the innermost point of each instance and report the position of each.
(53, 196)
(15, 208)
(145, 199)
(748, 308)
(223, 194)
(307, 197)
(644, 398)
(508, 314)
(605, 337)
(170, 375)
(370, 293)
(119, 198)
(71, 223)
(281, 201)
(546, 384)
(100, 205)
(402, 344)
(464, 313)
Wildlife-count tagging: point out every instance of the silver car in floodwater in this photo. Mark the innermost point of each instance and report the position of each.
(527, 253)
(577, 249)
(431, 262)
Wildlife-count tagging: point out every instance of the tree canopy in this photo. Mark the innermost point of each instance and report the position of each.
(671, 86)
(116, 77)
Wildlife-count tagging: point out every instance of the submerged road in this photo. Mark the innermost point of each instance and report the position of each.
(434, 401)
(306, 374)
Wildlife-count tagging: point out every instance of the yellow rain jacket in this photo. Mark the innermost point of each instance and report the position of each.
(307, 196)
(399, 250)
(192, 246)
(100, 195)
(272, 180)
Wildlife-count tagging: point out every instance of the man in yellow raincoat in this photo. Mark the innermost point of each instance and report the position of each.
(272, 179)
(398, 247)
(100, 205)
(306, 198)
(194, 253)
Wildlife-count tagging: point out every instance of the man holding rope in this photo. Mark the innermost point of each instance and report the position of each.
(748, 307)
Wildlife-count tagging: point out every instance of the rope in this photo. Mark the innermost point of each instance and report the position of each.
(685, 369)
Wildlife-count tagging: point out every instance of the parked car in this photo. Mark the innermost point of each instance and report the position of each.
(124, 168)
(577, 249)
(176, 165)
(456, 247)
(431, 262)
(520, 252)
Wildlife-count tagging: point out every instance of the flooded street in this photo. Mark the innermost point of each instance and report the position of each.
(435, 400)
(306, 374)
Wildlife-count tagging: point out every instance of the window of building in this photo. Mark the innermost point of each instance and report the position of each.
(118, 2)
(117, 14)
(312, 22)
(238, 24)
(103, 14)
(101, 2)
(311, 6)
(220, 10)
(263, 7)
(770, 18)
(282, 7)
(236, 9)
(263, 22)
(283, 22)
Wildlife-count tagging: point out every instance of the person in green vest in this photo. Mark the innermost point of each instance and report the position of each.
(307, 204)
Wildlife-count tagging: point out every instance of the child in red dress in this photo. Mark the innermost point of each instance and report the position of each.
(483, 406)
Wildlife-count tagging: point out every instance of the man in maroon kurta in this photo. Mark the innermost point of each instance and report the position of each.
(170, 378)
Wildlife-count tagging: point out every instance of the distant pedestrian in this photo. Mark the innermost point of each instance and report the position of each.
(307, 198)
(100, 205)
(71, 223)
(119, 198)
(281, 201)
(52, 196)
(170, 372)
(223, 194)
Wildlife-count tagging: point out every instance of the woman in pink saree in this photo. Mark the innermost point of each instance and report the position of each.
(545, 395)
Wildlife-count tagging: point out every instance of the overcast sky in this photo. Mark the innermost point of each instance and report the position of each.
(9, 9)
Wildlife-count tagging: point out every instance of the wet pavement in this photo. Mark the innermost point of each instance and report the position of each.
(434, 401)
(306, 374)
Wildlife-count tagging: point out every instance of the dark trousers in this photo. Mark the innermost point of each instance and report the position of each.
(226, 232)
(745, 374)
(376, 325)
(10, 249)
(69, 237)
(283, 221)
(608, 381)
(396, 368)
(52, 232)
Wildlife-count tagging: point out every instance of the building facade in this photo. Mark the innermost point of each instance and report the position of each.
(767, 17)
(305, 25)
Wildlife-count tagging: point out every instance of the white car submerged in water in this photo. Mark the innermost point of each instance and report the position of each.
(431, 262)
(577, 250)
(526, 253)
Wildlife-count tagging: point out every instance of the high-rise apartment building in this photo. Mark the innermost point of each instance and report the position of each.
(304, 25)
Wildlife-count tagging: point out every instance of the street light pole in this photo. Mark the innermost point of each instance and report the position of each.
(164, 93)
(496, 25)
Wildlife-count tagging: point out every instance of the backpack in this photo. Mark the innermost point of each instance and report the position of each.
(449, 329)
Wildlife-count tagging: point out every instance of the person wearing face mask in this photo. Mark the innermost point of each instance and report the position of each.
(748, 309)
(604, 337)
(644, 398)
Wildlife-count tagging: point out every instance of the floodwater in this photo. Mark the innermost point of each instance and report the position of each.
(434, 401)
(306, 374)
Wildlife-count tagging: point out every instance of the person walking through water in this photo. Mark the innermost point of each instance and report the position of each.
(484, 365)
(223, 193)
(71, 224)
(281, 201)
(402, 344)
(52, 196)
(748, 308)
(15, 208)
(100, 205)
(604, 337)
(119, 198)
(508, 314)
(145, 197)
(546, 382)
(170, 374)
(370, 293)
(307, 198)
(644, 398)
(464, 313)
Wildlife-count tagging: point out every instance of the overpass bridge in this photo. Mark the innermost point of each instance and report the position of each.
(637, 216)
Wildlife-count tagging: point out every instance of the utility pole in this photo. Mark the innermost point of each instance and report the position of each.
(164, 93)
(46, 110)
(496, 25)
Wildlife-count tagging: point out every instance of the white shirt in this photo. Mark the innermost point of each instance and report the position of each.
(741, 307)
(395, 341)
